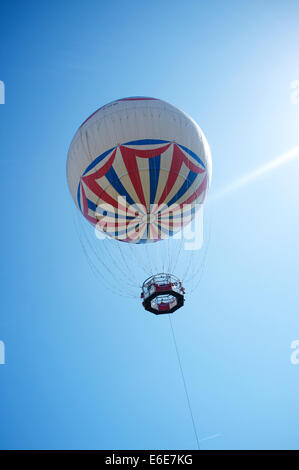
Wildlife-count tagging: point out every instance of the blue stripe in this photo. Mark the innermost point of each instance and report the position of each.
(142, 240)
(167, 231)
(78, 196)
(192, 155)
(154, 169)
(91, 205)
(104, 212)
(141, 142)
(184, 188)
(146, 142)
(117, 185)
(118, 232)
(97, 160)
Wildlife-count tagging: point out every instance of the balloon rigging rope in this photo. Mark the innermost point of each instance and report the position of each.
(182, 241)
(197, 274)
(106, 251)
(184, 381)
(129, 271)
(138, 260)
(177, 258)
(93, 265)
(188, 258)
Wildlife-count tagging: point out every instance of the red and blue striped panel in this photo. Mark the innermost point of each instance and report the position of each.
(143, 191)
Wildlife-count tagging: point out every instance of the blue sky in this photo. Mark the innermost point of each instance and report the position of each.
(86, 368)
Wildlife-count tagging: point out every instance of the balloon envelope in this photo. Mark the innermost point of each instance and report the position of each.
(137, 168)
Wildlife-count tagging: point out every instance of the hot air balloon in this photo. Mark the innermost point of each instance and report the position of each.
(138, 169)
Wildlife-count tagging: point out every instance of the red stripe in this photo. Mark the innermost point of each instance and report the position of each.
(202, 188)
(190, 165)
(85, 207)
(90, 179)
(154, 232)
(90, 116)
(137, 235)
(94, 186)
(176, 165)
(170, 223)
(146, 153)
(102, 222)
(130, 162)
(175, 207)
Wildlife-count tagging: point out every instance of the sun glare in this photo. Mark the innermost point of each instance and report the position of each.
(250, 177)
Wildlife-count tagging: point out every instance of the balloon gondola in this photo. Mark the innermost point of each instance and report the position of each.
(162, 293)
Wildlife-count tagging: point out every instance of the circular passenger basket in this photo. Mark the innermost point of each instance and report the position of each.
(162, 293)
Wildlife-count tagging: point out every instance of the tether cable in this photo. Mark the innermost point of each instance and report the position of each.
(184, 382)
